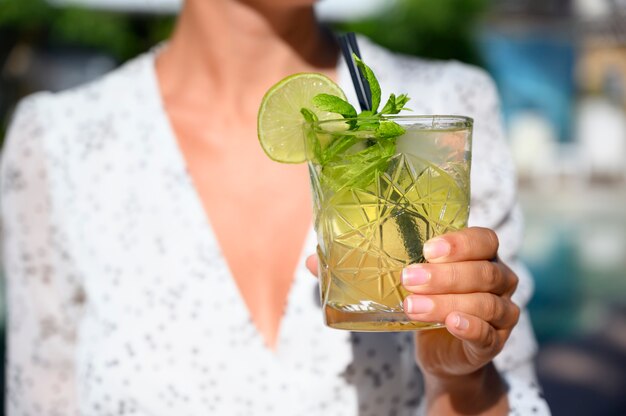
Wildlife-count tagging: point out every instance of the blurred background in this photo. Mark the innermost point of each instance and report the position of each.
(560, 66)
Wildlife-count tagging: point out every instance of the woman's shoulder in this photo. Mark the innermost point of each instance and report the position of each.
(73, 129)
(415, 75)
(123, 90)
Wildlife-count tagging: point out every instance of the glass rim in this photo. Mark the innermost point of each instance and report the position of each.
(436, 120)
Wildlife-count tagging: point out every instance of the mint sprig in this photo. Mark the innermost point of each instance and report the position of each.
(367, 119)
(342, 165)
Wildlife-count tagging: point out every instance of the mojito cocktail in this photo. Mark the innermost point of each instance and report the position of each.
(377, 200)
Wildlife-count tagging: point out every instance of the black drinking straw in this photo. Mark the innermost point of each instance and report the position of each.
(349, 46)
(366, 86)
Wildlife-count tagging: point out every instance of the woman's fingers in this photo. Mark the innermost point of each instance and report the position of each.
(482, 340)
(498, 311)
(312, 264)
(462, 277)
(474, 243)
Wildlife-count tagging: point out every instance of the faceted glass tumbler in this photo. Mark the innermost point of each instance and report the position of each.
(376, 201)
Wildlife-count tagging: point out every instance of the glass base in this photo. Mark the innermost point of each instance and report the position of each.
(377, 321)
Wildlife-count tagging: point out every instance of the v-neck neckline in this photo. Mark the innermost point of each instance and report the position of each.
(209, 231)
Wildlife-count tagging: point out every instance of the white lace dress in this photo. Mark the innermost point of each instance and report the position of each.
(120, 302)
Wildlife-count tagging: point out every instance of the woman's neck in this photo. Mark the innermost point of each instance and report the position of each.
(231, 50)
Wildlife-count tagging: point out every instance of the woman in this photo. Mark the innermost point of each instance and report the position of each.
(150, 245)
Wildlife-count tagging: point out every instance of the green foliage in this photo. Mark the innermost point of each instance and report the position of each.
(439, 29)
(26, 14)
(120, 35)
(107, 31)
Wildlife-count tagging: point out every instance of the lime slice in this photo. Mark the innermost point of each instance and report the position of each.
(280, 121)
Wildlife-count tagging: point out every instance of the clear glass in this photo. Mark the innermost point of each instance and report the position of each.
(376, 201)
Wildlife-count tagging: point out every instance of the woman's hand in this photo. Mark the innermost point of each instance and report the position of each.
(465, 287)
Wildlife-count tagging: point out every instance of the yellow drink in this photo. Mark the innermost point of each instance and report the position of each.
(374, 209)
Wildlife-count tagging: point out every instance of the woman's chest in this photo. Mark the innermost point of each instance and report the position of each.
(260, 214)
(165, 331)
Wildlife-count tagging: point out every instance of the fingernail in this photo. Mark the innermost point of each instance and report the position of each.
(418, 304)
(461, 323)
(436, 248)
(415, 276)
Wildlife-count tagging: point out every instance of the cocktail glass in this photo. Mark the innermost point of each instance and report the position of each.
(376, 201)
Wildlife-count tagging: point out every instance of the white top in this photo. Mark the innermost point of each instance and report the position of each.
(120, 301)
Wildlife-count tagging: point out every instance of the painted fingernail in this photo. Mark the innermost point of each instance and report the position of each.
(415, 276)
(461, 323)
(436, 248)
(419, 304)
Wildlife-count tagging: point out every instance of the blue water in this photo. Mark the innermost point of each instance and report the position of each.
(576, 249)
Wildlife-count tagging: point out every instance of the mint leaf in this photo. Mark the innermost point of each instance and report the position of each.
(371, 80)
(309, 115)
(337, 147)
(334, 104)
(360, 169)
(395, 104)
(389, 129)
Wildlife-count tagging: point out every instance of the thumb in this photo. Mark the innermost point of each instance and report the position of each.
(312, 264)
